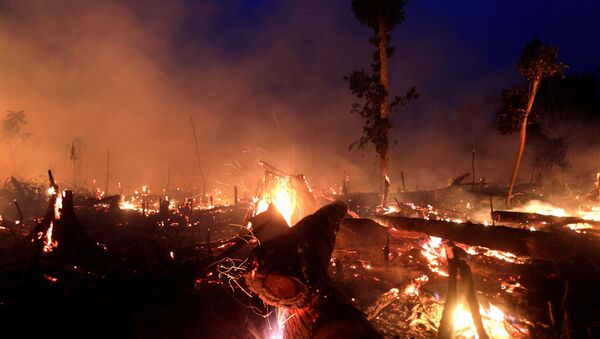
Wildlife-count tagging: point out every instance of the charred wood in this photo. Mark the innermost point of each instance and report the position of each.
(537, 219)
(291, 272)
(553, 246)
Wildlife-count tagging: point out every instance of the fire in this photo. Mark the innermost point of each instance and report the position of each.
(590, 214)
(501, 255)
(433, 251)
(412, 289)
(578, 227)
(127, 205)
(587, 213)
(58, 206)
(494, 322)
(540, 207)
(282, 196)
(282, 317)
(49, 244)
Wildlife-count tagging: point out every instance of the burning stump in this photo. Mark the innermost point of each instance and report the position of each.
(291, 273)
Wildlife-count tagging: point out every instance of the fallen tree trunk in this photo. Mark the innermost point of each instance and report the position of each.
(265, 226)
(538, 219)
(293, 265)
(291, 273)
(554, 246)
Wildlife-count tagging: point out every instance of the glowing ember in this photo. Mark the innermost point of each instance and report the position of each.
(510, 287)
(501, 255)
(434, 252)
(578, 227)
(411, 289)
(282, 196)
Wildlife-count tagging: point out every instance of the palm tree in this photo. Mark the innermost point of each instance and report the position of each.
(13, 129)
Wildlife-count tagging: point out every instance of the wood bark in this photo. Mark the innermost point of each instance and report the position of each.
(292, 266)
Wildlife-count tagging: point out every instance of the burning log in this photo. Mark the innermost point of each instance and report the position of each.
(61, 226)
(538, 219)
(456, 266)
(290, 194)
(70, 233)
(265, 226)
(553, 246)
(291, 265)
(291, 273)
(112, 200)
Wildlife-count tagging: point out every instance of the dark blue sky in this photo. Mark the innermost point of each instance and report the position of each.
(444, 48)
(497, 30)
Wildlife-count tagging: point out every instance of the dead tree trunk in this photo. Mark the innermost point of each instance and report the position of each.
(384, 154)
(522, 137)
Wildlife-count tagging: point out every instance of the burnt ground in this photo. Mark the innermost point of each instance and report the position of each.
(147, 277)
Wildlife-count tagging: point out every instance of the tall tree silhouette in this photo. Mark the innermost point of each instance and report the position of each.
(537, 61)
(371, 88)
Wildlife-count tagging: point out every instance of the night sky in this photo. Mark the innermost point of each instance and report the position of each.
(267, 75)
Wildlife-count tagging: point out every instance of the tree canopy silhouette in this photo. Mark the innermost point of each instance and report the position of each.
(371, 87)
(537, 62)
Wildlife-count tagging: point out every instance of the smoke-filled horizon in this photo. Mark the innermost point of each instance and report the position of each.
(261, 80)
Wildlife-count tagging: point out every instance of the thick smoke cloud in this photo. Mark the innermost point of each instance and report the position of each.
(261, 82)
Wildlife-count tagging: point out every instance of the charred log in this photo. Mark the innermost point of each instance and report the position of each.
(291, 272)
(538, 219)
(553, 246)
(293, 265)
(265, 226)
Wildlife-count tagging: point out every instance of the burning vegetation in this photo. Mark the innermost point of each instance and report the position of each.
(290, 262)
(272, 253)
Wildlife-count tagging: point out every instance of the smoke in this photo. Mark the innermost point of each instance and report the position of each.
(260, 82)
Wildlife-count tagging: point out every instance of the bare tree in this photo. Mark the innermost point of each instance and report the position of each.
(537, 61)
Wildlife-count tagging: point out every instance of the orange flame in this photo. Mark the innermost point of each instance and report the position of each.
(283, 196)
(49, 244)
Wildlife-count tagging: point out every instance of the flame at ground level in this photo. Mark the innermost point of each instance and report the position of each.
(494, 322)
(283, 196)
